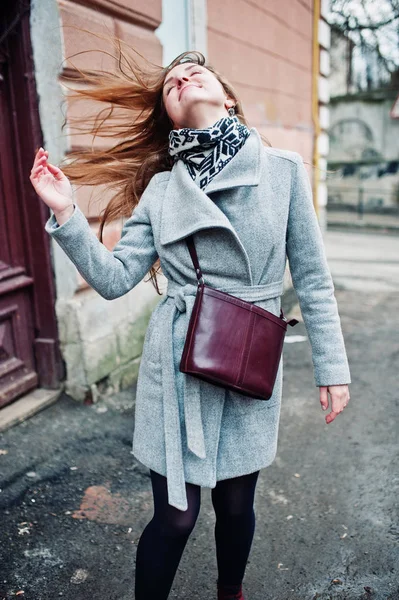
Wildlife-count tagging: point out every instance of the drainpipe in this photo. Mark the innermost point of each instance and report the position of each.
(320, 110)
(315, 102)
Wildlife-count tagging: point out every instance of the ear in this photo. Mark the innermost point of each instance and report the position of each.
(229, 102)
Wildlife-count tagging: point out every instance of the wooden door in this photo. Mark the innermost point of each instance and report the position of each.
(29, 353)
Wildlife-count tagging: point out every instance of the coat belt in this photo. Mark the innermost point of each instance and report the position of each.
(184, 297)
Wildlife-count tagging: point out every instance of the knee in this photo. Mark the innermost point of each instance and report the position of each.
(235, 514)
(180, 525)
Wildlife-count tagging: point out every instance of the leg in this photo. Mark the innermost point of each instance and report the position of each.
(163, 540)
(233, 501)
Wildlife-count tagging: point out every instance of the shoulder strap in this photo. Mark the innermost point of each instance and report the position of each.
(194, 258)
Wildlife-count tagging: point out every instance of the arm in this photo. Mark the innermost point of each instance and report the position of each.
(110, 273)
(313, 284)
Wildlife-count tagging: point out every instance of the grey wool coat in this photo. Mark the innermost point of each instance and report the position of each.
(254, 214)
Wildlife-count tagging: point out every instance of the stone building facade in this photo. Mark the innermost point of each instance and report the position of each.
(364, 128)
(275, 54)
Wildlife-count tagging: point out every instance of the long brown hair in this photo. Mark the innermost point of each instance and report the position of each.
(134, 114)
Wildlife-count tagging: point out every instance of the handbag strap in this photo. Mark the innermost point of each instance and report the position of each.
(198, 272)
(194, 258)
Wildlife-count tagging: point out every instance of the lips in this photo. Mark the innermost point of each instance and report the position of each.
(186, 86)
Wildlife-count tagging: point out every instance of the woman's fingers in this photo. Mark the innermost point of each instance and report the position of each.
(58, 174)
(41, 166)
(331, 416)
(39, 160)
(323, 397)
(339, 399)
(35, 172)
(41, 156)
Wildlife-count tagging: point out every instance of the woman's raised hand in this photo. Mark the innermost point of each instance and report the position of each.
(51, 184)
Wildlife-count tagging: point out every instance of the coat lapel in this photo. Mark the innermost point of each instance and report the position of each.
(187, 209)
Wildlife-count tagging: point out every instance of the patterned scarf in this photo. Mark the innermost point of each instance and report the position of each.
(206, 151)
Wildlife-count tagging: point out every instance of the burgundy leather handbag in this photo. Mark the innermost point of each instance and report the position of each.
(230, 342)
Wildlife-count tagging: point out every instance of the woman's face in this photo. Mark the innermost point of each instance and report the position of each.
(193, 96)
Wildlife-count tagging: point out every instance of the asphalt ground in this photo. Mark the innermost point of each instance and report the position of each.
(74, 500)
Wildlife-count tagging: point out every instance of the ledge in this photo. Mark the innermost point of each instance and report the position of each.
(27, 406)
(114, 9)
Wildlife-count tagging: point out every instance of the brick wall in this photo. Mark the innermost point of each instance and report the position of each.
(99, 340)
(265, 50)
(134, 22)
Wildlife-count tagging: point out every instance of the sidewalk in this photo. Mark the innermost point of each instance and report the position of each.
(345, 219)
(74, 501)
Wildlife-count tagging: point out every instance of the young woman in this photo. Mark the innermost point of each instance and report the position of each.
(189, 164)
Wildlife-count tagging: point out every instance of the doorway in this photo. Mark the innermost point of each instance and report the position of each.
(29, 348)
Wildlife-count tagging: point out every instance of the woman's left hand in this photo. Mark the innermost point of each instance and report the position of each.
(340, 397)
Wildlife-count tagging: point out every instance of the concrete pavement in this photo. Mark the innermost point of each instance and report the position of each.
(364, 262)
(74, 501)
(344, 220)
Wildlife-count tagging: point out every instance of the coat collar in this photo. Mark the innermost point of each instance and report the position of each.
(187, 209)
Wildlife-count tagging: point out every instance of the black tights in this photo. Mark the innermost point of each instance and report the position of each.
(163, 540)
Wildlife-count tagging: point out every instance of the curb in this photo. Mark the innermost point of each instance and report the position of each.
(362, 226)
(28, 405)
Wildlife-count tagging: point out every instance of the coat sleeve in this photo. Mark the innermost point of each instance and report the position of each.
(313, 283)
(110, 273)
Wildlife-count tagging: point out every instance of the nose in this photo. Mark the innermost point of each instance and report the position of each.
(182, 78)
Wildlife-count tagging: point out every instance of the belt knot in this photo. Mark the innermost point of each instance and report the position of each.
(180, 293)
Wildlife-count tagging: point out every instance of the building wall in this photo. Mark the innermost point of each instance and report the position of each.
(364, 150)
(341, 61)
(321, 110)
(276, 55)
(98, 338)
(266, 49)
